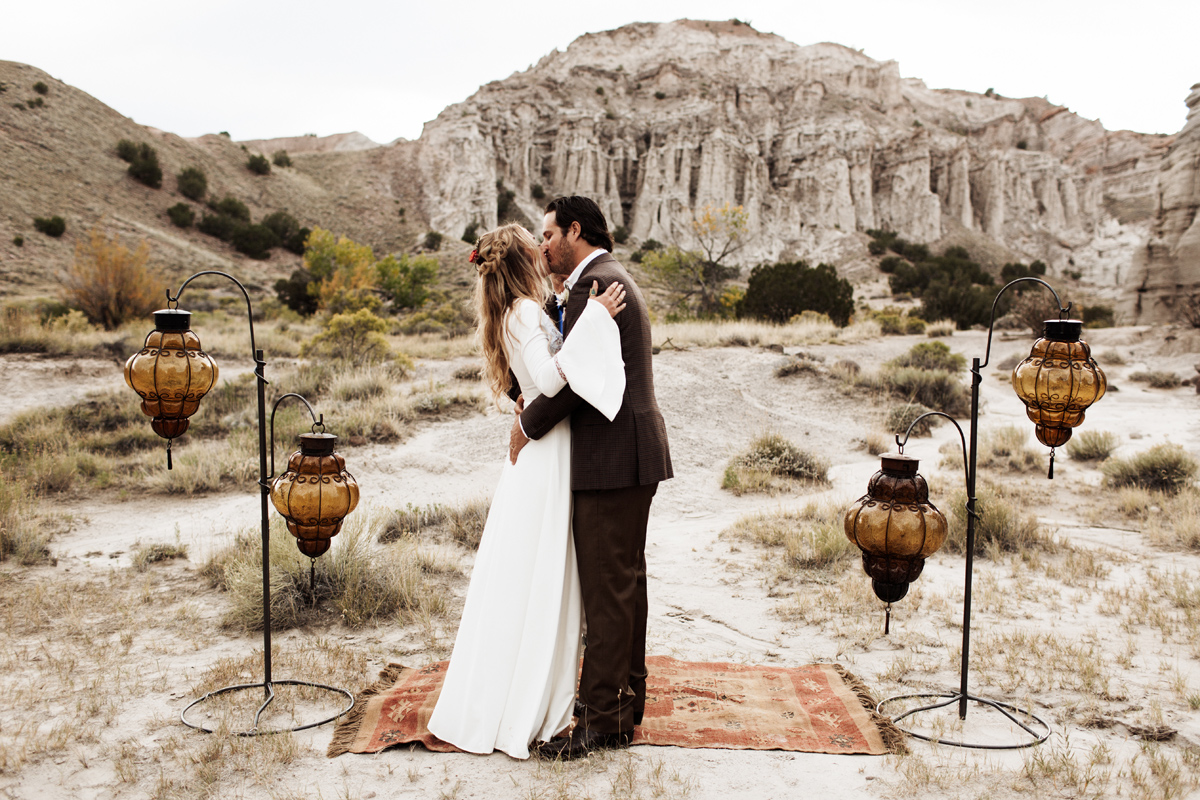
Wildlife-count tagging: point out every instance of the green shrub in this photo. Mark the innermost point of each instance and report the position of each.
(255, 241)
(192, 183)
(127, 150)
(280, 158)
(233, 208)
(53, 227)
(914, 326)
(258, 164)
(1014, 270)
(891, 264)
(660, 95)
(19, 240)
(355, 339)
(778, 292)
(181, 215)
(772, 453)
(405, 281)
(469, 232)
(1098, 316)
(41, 88)
(444, 316)
(1165, 467)
(1092, 445)
(36, 102)
(218, 226)
(433, 241)
(537, 192)
(282, 224)
(144, 167)
(1156, 378)
(621, 234)
(930, 356)
(294, 292)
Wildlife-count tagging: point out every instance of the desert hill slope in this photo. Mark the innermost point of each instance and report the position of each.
(819, 143)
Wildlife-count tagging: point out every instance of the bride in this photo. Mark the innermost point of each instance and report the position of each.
(512, 675)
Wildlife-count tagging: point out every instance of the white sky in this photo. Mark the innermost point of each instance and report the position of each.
(264, 69)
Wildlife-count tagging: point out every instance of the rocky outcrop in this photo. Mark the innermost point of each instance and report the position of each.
(311, 143)
(818, 143)
(1167, 270)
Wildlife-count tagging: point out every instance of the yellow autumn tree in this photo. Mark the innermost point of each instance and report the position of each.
(696, 278)
(343, 273)
(110, 284)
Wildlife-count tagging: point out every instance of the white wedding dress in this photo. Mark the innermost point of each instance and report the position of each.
(513, 672)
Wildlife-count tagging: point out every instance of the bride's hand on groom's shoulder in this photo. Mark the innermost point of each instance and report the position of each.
(612, 298)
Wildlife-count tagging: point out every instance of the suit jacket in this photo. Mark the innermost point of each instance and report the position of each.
(632, 449)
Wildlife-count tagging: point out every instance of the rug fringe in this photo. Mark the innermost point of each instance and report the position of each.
(347, 727)
(894, 739)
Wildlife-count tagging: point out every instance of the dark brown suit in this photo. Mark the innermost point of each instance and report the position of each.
(615, 470)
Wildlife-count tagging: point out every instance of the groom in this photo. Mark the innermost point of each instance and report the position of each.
(615, 470)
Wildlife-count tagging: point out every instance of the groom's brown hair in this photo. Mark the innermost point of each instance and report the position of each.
(593, 227)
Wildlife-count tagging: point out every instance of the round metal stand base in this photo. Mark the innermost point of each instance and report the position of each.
(269, 690)
(948, 699)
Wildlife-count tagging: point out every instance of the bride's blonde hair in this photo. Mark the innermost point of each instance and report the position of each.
(506, 259)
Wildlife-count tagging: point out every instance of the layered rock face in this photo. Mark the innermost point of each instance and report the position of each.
(818, 143)
(1167, 270)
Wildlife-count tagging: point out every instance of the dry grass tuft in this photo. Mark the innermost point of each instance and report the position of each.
(812, 538)
(462, 523)
(1092, 445)
(353, 581)
(23, 535)
(1001, 526)
(750, 333)
(144, 555)
(1164, 467)
(939, 328)
(901, 416)
(773, 463)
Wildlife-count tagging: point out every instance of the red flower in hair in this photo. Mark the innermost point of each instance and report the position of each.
(473, 256)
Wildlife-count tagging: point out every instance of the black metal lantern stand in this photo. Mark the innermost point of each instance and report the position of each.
(1037, 729)
(268, 683)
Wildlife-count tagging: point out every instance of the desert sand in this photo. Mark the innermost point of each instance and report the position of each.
(1098, 650)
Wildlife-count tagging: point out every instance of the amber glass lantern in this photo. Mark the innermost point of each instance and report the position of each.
(895, 526)
(316, 493)
(1058, 381)
(171, 373)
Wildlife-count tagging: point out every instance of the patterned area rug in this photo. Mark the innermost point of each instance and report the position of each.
(819, 708)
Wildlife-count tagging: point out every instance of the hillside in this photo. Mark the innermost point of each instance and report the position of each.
(654, 120)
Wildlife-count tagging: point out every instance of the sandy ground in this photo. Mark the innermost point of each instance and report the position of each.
(711, 598)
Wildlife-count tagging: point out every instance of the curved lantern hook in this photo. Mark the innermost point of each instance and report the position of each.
(318, 421)
(1063, 311)
(961, 437)
(249, 312)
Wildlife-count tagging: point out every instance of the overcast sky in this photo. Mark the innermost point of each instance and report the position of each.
(267, 69)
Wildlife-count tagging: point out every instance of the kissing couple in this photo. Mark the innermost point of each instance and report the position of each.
(564, 545)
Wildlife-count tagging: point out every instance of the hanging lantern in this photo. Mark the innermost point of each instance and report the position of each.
(315, 493)
(171, 374)
(895, 526)
(1057, 382)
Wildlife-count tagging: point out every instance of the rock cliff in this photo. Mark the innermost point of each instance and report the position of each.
(818, 143)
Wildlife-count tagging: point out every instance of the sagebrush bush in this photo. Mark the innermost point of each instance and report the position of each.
(192, 183)
(181, 215)
(1007, 447)
(53, 227)
(110, 284)
(930, 356)
(769, 456)
(890, 324)
(1092, 445)
(1157, 379)
(901, 416)
(937, 389)
(351, 338)
(1164, 467)
(258, 164)
(812, 538)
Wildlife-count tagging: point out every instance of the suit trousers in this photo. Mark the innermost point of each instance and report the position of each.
(610, 548)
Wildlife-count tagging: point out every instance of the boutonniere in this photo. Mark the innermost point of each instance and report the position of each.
(566, 297)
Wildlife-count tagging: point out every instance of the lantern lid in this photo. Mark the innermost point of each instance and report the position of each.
(318, 444)
(1062, 330)
(172, 319)
(897, 464)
